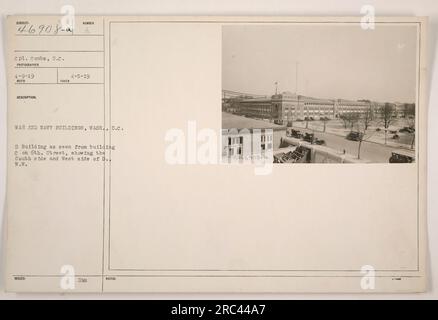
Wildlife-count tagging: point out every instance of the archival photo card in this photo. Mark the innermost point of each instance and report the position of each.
(145, 154)
(320, 93)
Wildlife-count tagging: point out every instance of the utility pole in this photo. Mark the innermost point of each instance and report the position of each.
(296, 86)
(296, 77)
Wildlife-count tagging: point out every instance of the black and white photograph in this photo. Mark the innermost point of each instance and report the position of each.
(146, 156)
(320, 93)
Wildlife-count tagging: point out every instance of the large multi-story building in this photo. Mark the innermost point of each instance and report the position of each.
(288, 106)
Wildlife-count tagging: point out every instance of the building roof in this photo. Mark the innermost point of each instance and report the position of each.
(232, 121)
(405, 152)
(291, 96)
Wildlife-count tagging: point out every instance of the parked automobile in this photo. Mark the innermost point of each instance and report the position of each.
(354, 136)
(407, 130)
(378, 129)
(309, 137)
(319, 141)
(296, 134)
(402, 156)
(396, 136)
(393, 131)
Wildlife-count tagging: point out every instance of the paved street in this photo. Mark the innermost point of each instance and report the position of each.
(369, 151)
(372, 135)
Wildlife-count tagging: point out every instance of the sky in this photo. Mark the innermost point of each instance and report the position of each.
(334, 61)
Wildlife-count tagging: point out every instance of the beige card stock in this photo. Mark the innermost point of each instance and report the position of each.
(127, 169)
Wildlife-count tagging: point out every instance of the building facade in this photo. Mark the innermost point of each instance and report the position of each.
(247, 144)
(287, 106)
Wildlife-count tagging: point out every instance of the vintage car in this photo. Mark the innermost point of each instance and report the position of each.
(296, 134)
(407, 130)
(402, 156)
(319, 141)
(309, 137)
(354, 136)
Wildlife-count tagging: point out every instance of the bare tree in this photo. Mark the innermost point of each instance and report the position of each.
(350, 119)
(361, 126)
(354, 119)
(387, 113)
(307, 117)
(367, 117)
(344, 120)
(324, 120)
(361, 138)
(409, 109)
(409, 113)
(290, 118)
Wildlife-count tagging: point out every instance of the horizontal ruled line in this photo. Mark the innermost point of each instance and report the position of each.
(58, 83)
(34, 67)
(58, 35)
(82, 51)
